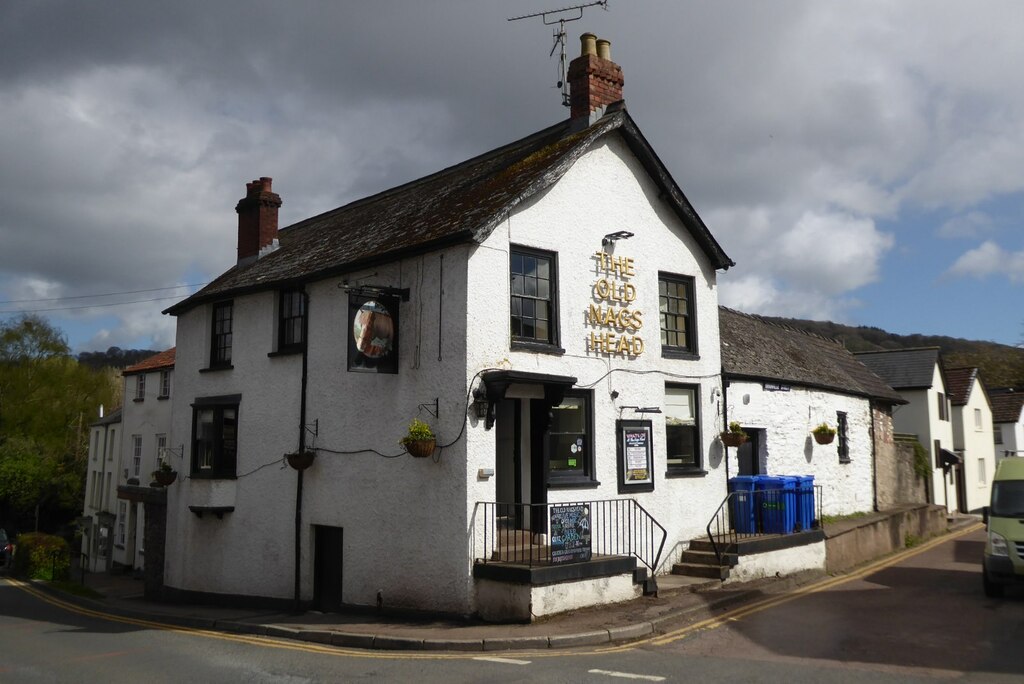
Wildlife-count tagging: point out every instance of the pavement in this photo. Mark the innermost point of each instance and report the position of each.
(680, 601)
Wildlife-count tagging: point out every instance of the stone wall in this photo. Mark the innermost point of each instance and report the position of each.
(851, 542)
(897, 482)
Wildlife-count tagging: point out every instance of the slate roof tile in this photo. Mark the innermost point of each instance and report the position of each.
(902, 369)
(1006, 405)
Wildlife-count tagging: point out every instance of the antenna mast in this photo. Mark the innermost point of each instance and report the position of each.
(558, 37)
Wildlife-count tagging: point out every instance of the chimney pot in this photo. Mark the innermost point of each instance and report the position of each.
(604, 49)
(588, 44)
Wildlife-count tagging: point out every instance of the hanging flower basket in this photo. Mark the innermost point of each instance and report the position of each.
(420, 448)
(824, 434)
(733, 439)
(823, 437)
(300, 460)
(165, 477)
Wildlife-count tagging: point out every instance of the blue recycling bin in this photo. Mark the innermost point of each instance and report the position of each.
(777, 499)
(744, 512)
(805, 508)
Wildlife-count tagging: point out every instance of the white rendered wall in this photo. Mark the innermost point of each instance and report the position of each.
(606, 191)
(779, 563)
(104, 460)
(788, 448)
(1013, 440)
(977, 446)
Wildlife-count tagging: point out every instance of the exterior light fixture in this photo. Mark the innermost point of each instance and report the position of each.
(480, 404)
(617, 235)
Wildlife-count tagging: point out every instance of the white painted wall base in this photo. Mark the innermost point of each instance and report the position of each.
(502, 601)
(779, 563)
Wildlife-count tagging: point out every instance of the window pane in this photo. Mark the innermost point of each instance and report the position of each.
(531, 287)
(529, 265)
(567, 452)
(543, 268)
(517, 263)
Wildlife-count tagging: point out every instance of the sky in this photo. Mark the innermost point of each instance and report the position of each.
(860, 161)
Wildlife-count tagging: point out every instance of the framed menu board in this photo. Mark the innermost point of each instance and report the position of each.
(635, 456)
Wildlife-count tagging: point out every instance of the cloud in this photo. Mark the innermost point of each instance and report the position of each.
(971, 224)
(989, 259)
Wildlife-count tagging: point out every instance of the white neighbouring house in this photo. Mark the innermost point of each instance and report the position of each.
(972, 437)
(535, 305)
(780, 383)
(1007, 422)
(145, 428)
(917, 375)
(99, 510)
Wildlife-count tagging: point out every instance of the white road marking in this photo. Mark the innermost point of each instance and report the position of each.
(628, 675)
(507, 661)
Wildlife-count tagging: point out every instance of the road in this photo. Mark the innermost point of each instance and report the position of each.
(921, 618)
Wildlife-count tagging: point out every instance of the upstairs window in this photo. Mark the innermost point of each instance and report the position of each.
(533, 302)
(165, 384)
(676, 309)
(291, 317)
(943, 415)
(682, 429)
(977, 419)
(997, 435)
(140, 387)
(136, 455)
(221, 339)
(215, 437)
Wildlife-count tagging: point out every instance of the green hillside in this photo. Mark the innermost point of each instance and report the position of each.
(1001, 365)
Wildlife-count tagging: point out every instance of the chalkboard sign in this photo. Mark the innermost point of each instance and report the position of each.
(570, 533)
(636, 456)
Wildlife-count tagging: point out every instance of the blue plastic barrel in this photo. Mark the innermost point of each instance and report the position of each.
(805, 502)
(777, 498)
(744, 512)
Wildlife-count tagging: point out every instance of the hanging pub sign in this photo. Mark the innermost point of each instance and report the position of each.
(636, 456)
(372, 333)
(570, 533)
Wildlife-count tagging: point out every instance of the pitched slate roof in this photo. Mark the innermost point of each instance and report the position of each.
(959, 382)
(164, 359)
(902, 369)
(462, 203)
(754, 348)
(1006, 405)
(112, 417)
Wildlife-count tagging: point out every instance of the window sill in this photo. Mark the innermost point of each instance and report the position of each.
(685, 472)
(284, 352)
(573, 483)
(163, 397)
(211, 476)
(538, 347)
(681, 354)
(845, 460)
(214, 369)
(137, 400)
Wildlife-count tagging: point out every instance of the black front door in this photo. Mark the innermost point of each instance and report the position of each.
(328, 550)
(748, 455)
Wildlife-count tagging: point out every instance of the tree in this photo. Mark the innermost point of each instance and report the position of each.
(46, 397)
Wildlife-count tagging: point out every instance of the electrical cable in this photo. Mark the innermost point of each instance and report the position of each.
(107, 294)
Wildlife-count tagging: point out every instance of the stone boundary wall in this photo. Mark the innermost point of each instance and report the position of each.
(851, 542)
(896, 480)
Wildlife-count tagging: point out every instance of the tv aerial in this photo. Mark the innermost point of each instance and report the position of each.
(550, 18)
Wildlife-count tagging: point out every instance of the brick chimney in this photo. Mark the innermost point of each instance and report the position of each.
(257, 219)
(595, 81)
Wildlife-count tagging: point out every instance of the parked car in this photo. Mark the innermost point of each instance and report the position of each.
(6, 549)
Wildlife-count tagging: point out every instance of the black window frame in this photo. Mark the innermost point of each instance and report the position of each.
(288, 322)
(587, 476)
(516, 302)
(222, 341)
(697, 468)
(225, 455)
(676, 351)
(842, 437)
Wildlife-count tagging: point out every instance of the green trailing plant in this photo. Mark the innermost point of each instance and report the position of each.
(165, 467)
(824, 430)
(418, 432)
(922, 464)
(735, 428)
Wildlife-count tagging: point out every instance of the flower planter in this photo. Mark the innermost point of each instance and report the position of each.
(421, 448)
(165, 477)
(301, 460)
(823, 438)
(733, 439)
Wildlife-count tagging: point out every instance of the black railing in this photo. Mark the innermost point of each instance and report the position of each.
(746, 514)
(520, 533)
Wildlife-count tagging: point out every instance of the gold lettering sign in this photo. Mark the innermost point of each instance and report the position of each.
(614, 297)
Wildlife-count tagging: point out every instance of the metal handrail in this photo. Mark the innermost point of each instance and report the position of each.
(518, 532)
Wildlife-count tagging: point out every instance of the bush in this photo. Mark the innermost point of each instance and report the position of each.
(41, 556)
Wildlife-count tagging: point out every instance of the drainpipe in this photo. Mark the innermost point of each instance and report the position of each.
(874, 454)
(302, 448)
(725, 425)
